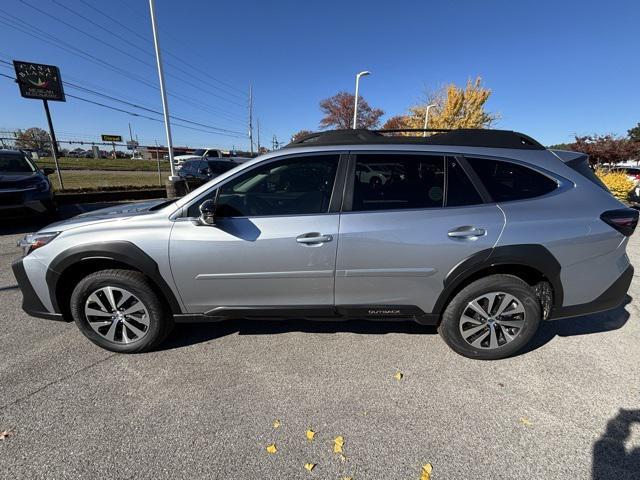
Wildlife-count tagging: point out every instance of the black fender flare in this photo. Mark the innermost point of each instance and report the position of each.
(533, 256)
(121, 251)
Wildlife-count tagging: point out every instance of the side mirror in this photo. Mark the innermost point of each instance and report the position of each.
(205, 171)
(48, 170)
(208, 212)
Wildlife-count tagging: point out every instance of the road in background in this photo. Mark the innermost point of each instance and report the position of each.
(204, 405)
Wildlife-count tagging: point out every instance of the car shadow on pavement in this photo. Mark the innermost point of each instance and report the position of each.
(189, 334)
(585, 325)
(612, 459)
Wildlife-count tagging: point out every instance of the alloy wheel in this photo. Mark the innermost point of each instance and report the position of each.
(492, 320)
(117, 315)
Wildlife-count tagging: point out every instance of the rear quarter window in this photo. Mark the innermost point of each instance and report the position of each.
(506, 181)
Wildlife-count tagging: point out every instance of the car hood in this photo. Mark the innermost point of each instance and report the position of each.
(109, 214)
(186, 157)
(14, 179)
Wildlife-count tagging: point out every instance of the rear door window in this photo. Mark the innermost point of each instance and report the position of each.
(507, 181)
(460, 189)
(398, 181)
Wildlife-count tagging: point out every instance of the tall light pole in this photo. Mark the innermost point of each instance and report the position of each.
(251, 119)
(426, 119)
(355, 106)
(163, 93)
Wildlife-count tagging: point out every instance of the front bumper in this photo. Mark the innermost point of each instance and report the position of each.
(25, 201)
(31, 304)
(612, 297)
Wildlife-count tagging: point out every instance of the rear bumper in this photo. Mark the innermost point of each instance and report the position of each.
(612, 297)
(31, 304)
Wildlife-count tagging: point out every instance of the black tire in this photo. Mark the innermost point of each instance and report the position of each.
(160, 319)
(449, 327)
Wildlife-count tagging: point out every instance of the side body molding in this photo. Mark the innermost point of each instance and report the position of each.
(120, 251)
(528, 255)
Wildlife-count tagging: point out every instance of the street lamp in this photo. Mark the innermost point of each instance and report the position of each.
(426, 119)
(174, 179)
(355, 107)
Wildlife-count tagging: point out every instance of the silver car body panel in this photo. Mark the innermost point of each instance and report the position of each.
(378, 257)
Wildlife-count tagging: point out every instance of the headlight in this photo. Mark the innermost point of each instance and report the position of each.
(32, 241)
(42, 186)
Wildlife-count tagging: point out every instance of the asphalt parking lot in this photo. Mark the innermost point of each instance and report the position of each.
(204, 405)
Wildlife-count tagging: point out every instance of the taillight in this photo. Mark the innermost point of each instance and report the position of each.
(623, 220)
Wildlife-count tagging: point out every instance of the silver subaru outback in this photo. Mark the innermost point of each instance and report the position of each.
(484, 233)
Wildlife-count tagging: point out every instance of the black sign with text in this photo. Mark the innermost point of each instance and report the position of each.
(111, 138)
(39, 81)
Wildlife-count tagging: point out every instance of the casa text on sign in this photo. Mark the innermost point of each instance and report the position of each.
(42, 82)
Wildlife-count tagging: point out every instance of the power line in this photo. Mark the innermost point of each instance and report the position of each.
(168, 33)
(139, 115)
(33, 32)
(9, 65)
(124, 52)
(146, 40)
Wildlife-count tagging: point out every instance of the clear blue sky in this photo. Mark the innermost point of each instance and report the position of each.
(555, 67)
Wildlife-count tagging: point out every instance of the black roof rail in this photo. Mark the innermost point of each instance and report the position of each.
(464, 137)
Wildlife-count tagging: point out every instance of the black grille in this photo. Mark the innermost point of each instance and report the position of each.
(12, 198)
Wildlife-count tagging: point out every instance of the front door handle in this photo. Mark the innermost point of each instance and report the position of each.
(313, 237)
(467, 232)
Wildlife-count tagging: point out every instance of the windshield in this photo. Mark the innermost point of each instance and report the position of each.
(15, 163)
(199, 153)
(221, 166)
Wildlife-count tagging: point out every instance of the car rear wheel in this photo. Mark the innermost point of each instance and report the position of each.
(491, 318)
(118, 310)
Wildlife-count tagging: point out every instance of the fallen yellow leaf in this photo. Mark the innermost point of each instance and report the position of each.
(338, 443)
(309, 466)
(5, 433)
(272, 448)
(276, 423)
(347, 478)
(425, 474)
(343, 458)
(526, 422)
(398, 376)
(310, 434)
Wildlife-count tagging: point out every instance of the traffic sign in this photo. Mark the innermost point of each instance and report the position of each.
(39, 81)
(111, 138)
(132, 144)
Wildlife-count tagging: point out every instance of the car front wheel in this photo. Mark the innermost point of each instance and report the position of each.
(118, 310)
(491, 318)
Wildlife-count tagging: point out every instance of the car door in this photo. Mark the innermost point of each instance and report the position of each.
(274, 240)
(399, 238)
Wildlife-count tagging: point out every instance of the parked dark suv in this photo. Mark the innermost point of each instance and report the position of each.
(199, 172)
(24, 188)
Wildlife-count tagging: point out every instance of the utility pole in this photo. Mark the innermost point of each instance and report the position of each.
(173, 178)
(251, 119)
(158, 161)
(258, 132)
(130, 134)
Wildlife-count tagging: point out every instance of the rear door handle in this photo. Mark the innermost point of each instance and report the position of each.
(467, 232)
(313, 237)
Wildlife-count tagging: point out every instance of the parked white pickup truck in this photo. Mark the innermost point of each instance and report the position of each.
(200, 154)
